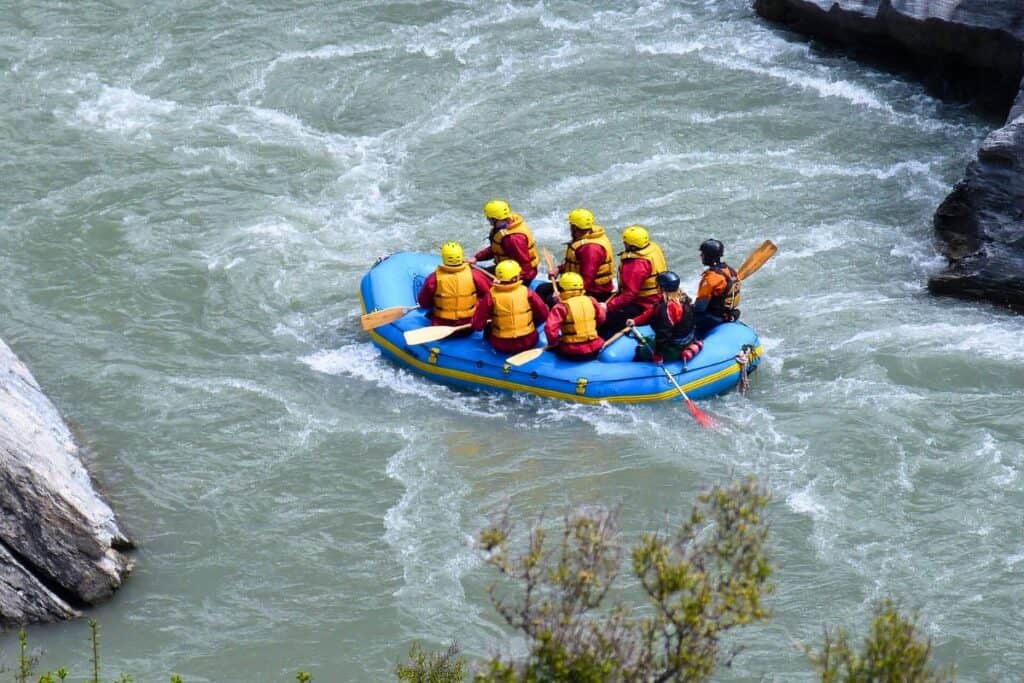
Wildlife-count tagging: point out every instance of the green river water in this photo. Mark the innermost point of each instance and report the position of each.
(191, 192)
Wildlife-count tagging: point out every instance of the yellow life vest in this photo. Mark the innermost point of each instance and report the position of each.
(455, 296)
(607, 268)
(511, 316)
(652, 254)
(580, 324)
(516, 226)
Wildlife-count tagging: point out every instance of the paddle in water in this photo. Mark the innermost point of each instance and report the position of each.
(702, 418)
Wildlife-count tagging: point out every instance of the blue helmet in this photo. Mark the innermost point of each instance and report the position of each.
(668, 281)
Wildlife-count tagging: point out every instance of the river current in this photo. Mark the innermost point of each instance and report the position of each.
(191, 192)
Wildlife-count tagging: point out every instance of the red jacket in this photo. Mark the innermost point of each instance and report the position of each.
(632, 275)
(553, 330)
(517, 246)
(517, 344)
(426, 296)
(590, 257)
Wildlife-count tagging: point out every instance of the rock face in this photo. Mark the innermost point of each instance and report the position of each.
(974, 47)
(981, 223)
(60, 545)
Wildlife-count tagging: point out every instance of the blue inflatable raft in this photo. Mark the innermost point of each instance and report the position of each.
(470, 362)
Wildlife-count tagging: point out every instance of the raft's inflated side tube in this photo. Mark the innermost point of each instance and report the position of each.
(471, 362)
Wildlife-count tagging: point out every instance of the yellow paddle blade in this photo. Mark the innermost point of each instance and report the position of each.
(525, 356)
(422, 335)
(757, 258)
(375, 319)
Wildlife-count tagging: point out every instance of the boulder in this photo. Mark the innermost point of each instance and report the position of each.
(970, 48)
(61, 547)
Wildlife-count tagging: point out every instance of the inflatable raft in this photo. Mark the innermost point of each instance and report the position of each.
(470, 362)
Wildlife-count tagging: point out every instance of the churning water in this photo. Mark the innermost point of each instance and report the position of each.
(192, 190)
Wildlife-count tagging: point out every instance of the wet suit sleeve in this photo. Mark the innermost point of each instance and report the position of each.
(709, 283)
(632, 275)
(590, 257)
(518, 248)
(553, 328)
(482, 284)
(426, 296)
(539, 308)
(600, 315)
(482, 312)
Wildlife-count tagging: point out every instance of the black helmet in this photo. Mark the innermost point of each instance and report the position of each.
(711, 251)
(668, 281)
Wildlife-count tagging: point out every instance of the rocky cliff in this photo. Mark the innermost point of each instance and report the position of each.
(975, 48)
(61, 547)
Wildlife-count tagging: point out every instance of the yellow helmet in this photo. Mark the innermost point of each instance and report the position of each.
(636, 236)
(507, 271)
(570, 282)
(582, 219)
(497, 210)
(451, 253)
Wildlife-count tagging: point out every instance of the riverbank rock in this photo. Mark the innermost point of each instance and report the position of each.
(61, 547)
(976, 47)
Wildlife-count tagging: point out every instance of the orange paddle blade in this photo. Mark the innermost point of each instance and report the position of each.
(549, 262)
(757, 258)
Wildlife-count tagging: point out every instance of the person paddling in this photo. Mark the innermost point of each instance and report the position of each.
(639, 265)
(450, 293)
(510, 238)
(572, 324)
(514, 309)
(590, 254)
(718, 295)
(672, 322)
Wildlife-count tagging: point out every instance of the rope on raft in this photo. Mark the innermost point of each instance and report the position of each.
(743, 358)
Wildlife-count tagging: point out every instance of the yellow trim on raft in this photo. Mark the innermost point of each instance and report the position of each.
(666, 395)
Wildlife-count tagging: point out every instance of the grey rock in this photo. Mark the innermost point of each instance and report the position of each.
(24, 599)
(55, 530)
(978, 44)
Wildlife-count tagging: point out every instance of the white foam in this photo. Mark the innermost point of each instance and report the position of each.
(805, 502)
(122, 110)
(423, 528)
(364, 362)
(824, 85)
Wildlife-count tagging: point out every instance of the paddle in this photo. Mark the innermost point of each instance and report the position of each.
(703, 419)
(422, 335)
(549, 262)
(373, 320)
(524, 357)
(484, 271)
(757, 259)
(527, 355)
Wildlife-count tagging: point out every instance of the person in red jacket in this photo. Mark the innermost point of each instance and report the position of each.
(510, 238)
(450, 294)
(515, 311)
(572, 323)
(589, 253)
(640, 263)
